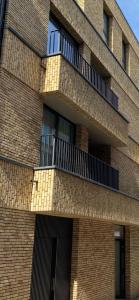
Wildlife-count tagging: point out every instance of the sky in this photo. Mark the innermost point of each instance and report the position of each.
(130, 9)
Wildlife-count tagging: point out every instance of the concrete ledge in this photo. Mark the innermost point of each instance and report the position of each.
(60, 193)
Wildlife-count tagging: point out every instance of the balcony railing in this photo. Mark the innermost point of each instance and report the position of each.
(66, 156)
(60, 43)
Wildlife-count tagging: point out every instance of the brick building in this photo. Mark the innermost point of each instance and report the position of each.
(69, 151)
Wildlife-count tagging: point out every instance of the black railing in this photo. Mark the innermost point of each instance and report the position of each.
(66, 156)
(60, 43)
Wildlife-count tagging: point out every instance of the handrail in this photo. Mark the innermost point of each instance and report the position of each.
(59, 43)
(57, 152)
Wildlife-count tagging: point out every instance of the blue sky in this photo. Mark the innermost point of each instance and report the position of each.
(130, 9)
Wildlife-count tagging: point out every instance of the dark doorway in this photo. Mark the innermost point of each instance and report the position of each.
(52, 259)
(120, 262)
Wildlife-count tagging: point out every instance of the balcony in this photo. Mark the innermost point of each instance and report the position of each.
(71, 86)
(59, 43)
(55, 152)
(71, 183)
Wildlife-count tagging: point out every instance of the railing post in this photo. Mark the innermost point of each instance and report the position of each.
(61, 42)
(53, 152)
(41, 152)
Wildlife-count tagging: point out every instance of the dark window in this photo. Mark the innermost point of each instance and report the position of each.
(106, 27)
(124, 54)
(119, 262)
(55, 124)
(58, 35)
(53, 37)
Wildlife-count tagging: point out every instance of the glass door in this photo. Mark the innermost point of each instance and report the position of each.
(59, 40)
(48, 132)
(57, 126)
(65, 130)
(53, 37)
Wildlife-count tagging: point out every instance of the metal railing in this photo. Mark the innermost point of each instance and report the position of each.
(66, 156)
(60, 43)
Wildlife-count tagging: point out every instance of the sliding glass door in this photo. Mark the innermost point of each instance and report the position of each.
(54, 125)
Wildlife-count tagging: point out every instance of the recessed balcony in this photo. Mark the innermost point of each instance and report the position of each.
(74, 184)
(58, 153)
(59, 43)
(72, 86)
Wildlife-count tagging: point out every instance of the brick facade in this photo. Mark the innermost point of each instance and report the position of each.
(21, 118)
(28, 80)
(16, 247)
(72, 89)
(97, 46)
(16, 183)
(82, 137)
(92, 262)
(60, 193)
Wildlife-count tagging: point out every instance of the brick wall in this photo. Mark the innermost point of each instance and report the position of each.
(134, 62)
(132, 151)
(94, 11)
(30, 20)
(62, 194)
(23, 63)
(93, 41)
(44, 184)
(128, 172)
(93, 261)
(129, 108)
(16, 247)
(82, 137)
(116, 39)
(21, 119)
(132, 262)
(15, 186)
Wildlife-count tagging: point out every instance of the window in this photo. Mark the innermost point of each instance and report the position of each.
(53, 36)
(55, 124)
(106, 27)
(59, 40)
(124, 55)
(119, 262)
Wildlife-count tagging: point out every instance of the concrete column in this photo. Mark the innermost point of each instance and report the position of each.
(82, 137)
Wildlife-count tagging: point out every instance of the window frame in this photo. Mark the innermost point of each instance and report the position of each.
(124, 54)
(106, 25)
(60, 27)
(57, 118)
